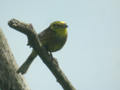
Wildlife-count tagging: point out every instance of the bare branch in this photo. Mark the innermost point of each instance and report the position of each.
(42, 52)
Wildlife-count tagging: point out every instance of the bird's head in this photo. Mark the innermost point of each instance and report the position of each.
(58, 25)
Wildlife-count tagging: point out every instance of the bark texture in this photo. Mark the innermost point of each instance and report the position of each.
(9, 79)
(34, 42)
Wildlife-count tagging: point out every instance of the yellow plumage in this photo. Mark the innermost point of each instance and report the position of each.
(53, 39)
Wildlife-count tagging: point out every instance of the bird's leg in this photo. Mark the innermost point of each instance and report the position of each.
(53, 59)
(51, 55)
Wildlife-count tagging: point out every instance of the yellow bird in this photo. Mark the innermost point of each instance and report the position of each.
(53, 39)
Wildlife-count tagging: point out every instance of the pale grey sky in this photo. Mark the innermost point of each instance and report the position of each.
(91, 56)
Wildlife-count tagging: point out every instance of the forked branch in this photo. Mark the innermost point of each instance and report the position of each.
(34, 42)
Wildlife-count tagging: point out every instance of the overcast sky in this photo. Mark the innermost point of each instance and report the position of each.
(91, 57)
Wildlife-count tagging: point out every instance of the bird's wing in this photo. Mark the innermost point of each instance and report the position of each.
(46, 36)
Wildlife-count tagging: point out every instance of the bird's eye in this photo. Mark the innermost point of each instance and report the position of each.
(56, 25)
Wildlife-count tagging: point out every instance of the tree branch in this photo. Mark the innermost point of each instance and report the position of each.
(9, 79)
(34, 42)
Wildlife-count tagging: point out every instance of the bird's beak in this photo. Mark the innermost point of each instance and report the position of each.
(65, 25)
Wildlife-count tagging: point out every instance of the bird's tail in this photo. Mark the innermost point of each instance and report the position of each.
(23, 69)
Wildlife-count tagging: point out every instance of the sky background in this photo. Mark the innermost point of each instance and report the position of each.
(91, 57)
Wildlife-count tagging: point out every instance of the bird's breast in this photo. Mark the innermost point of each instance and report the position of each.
(56, 43)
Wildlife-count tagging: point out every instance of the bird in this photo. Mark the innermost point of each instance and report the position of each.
(53, 38)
